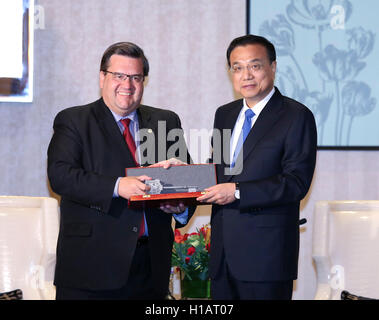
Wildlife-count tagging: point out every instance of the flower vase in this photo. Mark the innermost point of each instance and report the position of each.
(195, 289)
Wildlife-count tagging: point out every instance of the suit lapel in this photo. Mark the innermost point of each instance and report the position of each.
(231, 119)
(271, 113)
(144, 117)
(228, 124)
(149, 136)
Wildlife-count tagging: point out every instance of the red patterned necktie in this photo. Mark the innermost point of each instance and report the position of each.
(129, 139)
(132, 147)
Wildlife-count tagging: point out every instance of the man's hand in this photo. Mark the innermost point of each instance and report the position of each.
(131, 186)
(168, 208)
(167, 163)
(219, 194)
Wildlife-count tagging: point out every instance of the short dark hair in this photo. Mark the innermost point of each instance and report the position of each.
(127, 49)
(252, 39)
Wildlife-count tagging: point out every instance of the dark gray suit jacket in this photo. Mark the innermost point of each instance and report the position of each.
(98, 233)
(259, 234)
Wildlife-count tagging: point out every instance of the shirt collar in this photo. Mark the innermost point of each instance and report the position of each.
(132, 116)
(260, 105)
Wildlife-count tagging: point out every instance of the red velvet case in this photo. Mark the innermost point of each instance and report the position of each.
(177, 184)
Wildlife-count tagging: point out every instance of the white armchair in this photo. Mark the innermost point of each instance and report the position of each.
(345, 248)
(28, 238)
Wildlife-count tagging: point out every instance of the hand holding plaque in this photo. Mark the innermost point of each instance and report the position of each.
(174, 185)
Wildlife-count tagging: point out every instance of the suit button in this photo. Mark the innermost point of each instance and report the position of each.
(135, 229)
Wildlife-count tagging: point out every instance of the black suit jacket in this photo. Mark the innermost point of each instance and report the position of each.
(259, 233)
(98, 233)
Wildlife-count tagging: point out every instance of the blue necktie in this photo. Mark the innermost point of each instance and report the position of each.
(249, 114)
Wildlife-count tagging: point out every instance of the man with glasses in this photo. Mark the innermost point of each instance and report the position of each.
(107, 250)
(269, 168)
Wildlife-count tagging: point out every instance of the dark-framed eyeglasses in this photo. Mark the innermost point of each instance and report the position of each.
(118, 76)
(251, 67)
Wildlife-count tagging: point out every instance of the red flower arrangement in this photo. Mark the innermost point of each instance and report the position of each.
(191, 253)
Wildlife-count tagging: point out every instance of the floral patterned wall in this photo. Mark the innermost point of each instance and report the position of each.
(327, 59)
